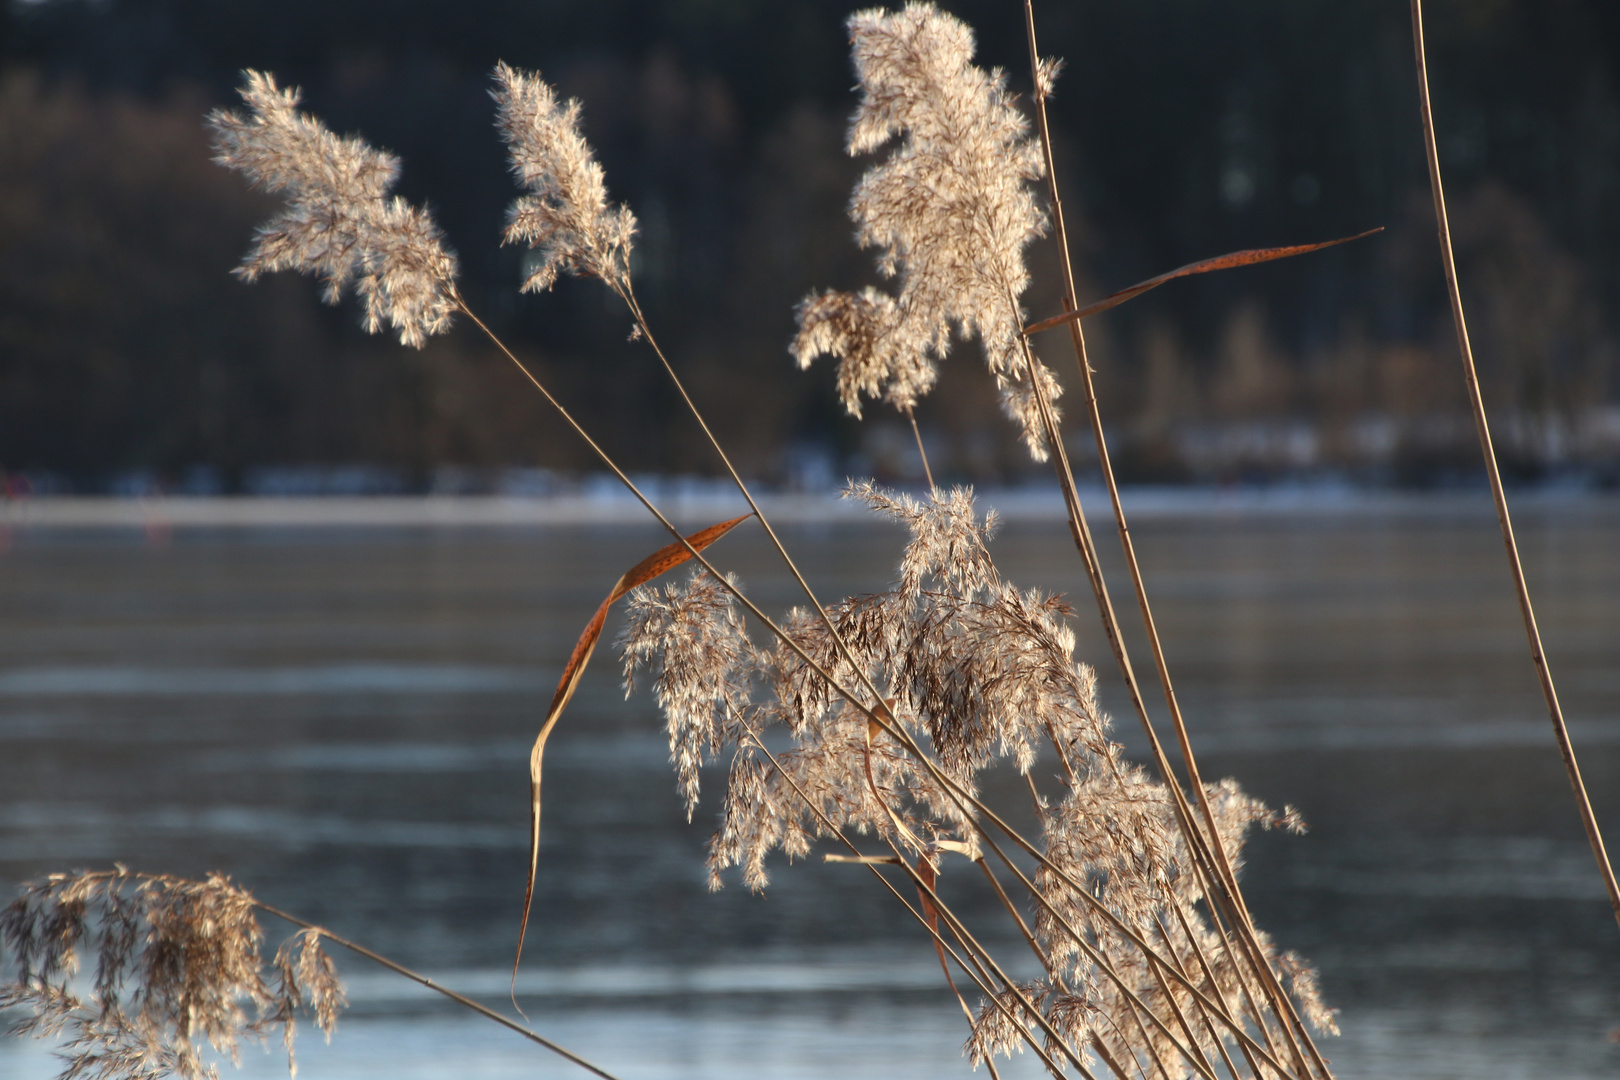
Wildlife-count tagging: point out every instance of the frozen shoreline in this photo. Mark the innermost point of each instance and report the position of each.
(1012, 504)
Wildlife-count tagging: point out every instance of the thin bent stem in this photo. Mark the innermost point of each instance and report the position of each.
(1113, 1064)
(459, 999)
(1555, 712)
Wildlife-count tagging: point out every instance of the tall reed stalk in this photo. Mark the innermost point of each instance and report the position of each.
(1482, 427)
(1225, 884)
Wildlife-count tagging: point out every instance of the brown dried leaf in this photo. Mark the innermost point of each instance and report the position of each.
(659, 562)
(1220, 262)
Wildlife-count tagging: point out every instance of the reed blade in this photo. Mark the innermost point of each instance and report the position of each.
(1228, 261)
(659, 562)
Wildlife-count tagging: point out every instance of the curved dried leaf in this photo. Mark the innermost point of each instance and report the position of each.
(659, 562)
(1219, 262)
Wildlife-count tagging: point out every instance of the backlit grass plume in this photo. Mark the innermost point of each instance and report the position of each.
(566, 217)
(138, 973)
(978, 671)
(340, 222)
(949, 213)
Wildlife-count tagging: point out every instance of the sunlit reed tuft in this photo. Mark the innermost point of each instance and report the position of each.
(137, 974)
(340, 223)
(949, 213)
(982, 672)
(566, 218)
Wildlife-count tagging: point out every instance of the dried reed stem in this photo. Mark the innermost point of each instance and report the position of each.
(1023, 927)
(1594, 836)
(1215, 886)
(1203, 1014)
(1113, 1063)
(459, 999)
(921, 452)
(1222, 860)
(1209, 975)
(940, 942)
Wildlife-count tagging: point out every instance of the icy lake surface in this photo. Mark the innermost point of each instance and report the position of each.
(339, 717)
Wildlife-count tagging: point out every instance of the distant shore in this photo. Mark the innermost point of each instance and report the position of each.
(1015, 504)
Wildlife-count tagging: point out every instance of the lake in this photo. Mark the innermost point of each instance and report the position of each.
(338, 715)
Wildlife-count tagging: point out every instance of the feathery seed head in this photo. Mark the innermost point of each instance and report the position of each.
(177, 965)
(566, 217)
(949, 213)
(975, 671)
(1047, 70)
(339, 222)
(695, 638)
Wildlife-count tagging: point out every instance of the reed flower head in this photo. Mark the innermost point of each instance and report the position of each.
(340, 222)
(976, 671)
(177, 964)
(566, 216)
(696, 636)
(949, 213)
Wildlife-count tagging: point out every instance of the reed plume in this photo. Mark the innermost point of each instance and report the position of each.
(340, 223)
(566, 217)
(177, 966)
(980, 672)
(948, 212)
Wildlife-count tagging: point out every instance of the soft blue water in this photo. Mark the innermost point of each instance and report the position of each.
(340, 718)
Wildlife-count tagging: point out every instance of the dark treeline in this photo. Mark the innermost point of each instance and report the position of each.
(1183, 129)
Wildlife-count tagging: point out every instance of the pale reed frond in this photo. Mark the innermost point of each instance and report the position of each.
(339, 223)
(948, 212)
(178, 967)
(693, 637)
(566, 217)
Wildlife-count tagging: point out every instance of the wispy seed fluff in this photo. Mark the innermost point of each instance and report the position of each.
(949, 213)
(566, 218)
(137, 975)
(977, 672)
(340, 222)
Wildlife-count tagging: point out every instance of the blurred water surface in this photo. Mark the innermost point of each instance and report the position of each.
(339, 718)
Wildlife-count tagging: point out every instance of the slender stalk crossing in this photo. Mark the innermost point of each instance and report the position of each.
(1222, 865)
(460, 999)
(1555, 712)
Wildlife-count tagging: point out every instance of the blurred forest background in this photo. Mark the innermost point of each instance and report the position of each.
(131, 360)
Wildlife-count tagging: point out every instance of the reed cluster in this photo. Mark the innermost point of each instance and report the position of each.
(177, 965)
(864, 723)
